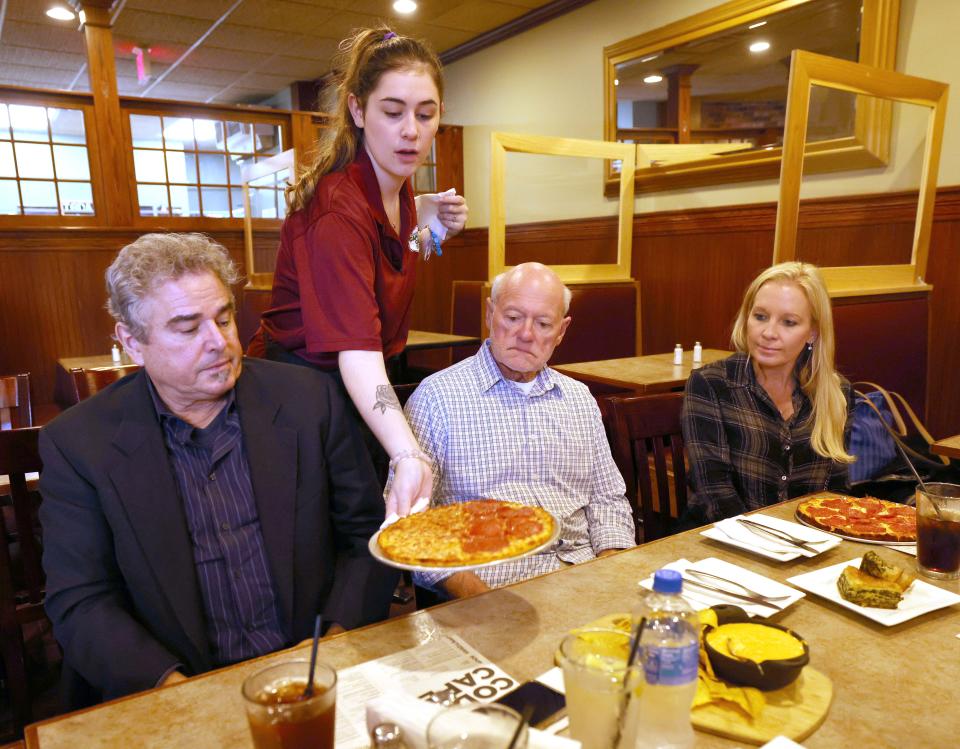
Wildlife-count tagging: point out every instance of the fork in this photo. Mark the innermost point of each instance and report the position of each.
(717, 579)
(778, 534)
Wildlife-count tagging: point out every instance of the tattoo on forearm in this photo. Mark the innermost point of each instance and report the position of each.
(386, 398)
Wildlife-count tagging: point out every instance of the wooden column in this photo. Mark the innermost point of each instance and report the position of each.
(114, 164)
(678, 99)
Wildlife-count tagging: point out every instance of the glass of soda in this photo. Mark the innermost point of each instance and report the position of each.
(938, 530)
(281, 716)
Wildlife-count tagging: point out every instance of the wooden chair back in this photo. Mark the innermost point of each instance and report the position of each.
(21, 572)
(15, 410)
(87, 382)
(647, 444)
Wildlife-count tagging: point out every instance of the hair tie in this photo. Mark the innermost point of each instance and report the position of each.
(389, 35)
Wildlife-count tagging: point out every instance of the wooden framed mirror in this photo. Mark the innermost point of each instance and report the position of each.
(704, 85)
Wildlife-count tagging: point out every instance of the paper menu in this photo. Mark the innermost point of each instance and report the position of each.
(446, 662)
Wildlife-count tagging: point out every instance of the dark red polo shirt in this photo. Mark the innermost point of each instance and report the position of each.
(344, 279)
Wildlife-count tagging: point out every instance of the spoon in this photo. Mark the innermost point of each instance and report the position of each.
(317, 626)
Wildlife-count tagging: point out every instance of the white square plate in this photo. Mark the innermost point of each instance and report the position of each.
(732, 533)
(703, 599)
(920, 598)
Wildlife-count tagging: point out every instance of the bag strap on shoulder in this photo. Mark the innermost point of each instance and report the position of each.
(913, 454)
(894, 411)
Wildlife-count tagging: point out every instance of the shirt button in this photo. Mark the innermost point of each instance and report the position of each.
(225, 526)
(783, 478)
(212, 477)
(786, 447)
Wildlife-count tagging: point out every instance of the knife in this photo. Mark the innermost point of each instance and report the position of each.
(723, 591)
(761, 529)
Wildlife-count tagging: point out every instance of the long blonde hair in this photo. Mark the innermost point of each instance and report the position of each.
(818, 375)
(362, 60)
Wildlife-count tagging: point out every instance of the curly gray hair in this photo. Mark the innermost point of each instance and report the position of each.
(152, 260)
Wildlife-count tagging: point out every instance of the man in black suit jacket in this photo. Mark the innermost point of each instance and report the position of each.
(131, 534)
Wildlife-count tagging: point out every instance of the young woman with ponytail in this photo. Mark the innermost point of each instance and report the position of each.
(770, 422)
(344, 278)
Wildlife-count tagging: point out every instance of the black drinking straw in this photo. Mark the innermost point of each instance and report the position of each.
(524, 717)
(317, 626)
(627, 691)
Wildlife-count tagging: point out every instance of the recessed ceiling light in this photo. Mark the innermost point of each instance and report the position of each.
(59, 13)
(404, 6)
(653, 78)
(757, 25)
(760, 46)
(648, 58)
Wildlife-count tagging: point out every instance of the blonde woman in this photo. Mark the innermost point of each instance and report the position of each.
(769, 423)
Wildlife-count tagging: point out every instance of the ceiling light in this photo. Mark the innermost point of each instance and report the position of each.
(616, 81)
(757, 25)
(648, 58)
(404, 6)
(59, 13)
(760, 46)
(653, 78)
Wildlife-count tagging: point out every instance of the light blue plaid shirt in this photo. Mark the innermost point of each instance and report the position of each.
(488, 439)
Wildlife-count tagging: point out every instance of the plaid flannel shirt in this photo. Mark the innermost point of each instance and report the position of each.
(488, 439)
(743, 454)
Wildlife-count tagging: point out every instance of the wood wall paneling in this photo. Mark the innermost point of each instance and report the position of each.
(693, 265)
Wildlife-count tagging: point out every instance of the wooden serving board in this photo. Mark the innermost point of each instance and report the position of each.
(795, 711)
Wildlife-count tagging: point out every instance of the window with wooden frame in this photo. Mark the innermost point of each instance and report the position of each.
(189, 164)
(425, 178)
(45, 165)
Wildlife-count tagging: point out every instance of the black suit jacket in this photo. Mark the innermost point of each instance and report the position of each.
(122, 590)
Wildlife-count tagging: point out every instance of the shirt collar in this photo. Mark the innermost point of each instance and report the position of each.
(179, 429)
(361, 171)
(489, 374)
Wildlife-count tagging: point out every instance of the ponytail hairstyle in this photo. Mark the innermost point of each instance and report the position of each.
(817, 375)
(362, 60)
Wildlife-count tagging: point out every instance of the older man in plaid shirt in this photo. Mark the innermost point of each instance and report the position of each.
(502, 424)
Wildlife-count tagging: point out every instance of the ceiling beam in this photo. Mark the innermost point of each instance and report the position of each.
(518, 25)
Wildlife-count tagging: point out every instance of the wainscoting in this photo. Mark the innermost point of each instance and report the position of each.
(693, 267)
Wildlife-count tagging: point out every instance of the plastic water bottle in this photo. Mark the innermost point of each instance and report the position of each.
(669, 650)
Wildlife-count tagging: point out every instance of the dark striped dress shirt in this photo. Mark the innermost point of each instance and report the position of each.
(743, 454)
(213, 476)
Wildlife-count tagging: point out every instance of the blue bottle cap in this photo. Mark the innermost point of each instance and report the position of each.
(667, 581)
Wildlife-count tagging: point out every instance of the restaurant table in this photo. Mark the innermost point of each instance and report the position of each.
(655, 373)
(63, 388)
(423, 340)
(949, 446)
(893, 686)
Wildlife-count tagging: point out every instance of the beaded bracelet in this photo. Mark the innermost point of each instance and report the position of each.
(404, 454)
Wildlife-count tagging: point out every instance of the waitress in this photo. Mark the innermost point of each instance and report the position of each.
(346, 267)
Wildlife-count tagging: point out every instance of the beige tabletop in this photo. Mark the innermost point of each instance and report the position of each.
(655, 373)
(893, 686)
(425, 339)
(949, 446)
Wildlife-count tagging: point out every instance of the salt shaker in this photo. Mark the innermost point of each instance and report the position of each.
(697, 353)
(115, 354)
(678, 354)
(386, 736)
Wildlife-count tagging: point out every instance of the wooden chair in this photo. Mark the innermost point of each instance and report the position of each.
(87, 382)
(648, 443)
(15, 410)
(21, 573)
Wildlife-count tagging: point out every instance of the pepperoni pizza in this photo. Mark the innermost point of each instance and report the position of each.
(864, 518)
(464, 534)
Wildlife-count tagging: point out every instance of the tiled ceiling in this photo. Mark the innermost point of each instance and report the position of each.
(246, 50)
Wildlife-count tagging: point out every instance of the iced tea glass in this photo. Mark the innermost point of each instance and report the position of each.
(938, 533)
(595, 673)
(281, 717)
